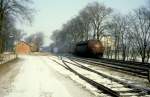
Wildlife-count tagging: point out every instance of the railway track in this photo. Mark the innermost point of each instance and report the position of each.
(102, 82)
(135, 70)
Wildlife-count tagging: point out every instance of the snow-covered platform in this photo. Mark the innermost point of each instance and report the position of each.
(38, 76)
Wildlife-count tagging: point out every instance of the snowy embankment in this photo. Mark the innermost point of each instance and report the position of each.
(4, 58)
(139, 82)
(75, 78)
(124, 77)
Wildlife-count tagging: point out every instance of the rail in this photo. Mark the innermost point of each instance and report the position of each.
(98, 85)
(126, 68)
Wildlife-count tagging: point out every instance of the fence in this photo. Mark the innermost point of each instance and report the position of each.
(6, 57)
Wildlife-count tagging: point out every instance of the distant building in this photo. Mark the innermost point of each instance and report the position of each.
(23, 48)
(108, 42)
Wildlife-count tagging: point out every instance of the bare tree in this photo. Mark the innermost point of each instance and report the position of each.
(92, 18)
(15, 9)
(29, 39)
(113, 30)
(123, 30)
(85, 20)
(130, 33)
(118, 30)
(141, 30)
(37, 39)
(98, 15)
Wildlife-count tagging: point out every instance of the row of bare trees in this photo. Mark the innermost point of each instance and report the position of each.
(90, 23)
(12, 11)
(130, 33)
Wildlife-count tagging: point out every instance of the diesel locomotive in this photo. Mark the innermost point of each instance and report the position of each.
(89, 48)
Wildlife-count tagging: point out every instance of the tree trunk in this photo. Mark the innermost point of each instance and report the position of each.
(87, 36)
(123, 52)
(0, 45)
(98, 36)
(123, 55)
(143, 57)
(1, 29)
(144, 53)
(115, 48)
(148, 55)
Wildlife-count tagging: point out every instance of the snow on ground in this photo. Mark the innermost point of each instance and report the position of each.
(43, 76)
(7, 74)
(74, 77)
(37, 78)
(106, 82)
(138, 81)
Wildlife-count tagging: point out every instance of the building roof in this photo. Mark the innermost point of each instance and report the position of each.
(24, 43)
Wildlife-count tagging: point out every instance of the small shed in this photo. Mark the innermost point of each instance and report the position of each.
(23, 48)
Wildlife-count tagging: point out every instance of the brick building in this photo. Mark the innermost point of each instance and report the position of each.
(23, 48)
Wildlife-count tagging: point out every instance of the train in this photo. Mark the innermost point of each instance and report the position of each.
(89, 48)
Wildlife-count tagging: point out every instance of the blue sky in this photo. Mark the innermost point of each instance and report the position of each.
(52, 14)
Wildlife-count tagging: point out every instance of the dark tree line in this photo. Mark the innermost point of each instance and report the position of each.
(129, 34)
(12, 11)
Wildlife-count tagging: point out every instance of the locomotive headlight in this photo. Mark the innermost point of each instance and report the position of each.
(96, 45)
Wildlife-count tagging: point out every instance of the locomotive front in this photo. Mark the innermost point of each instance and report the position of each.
(96, 48)
(90, 48)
